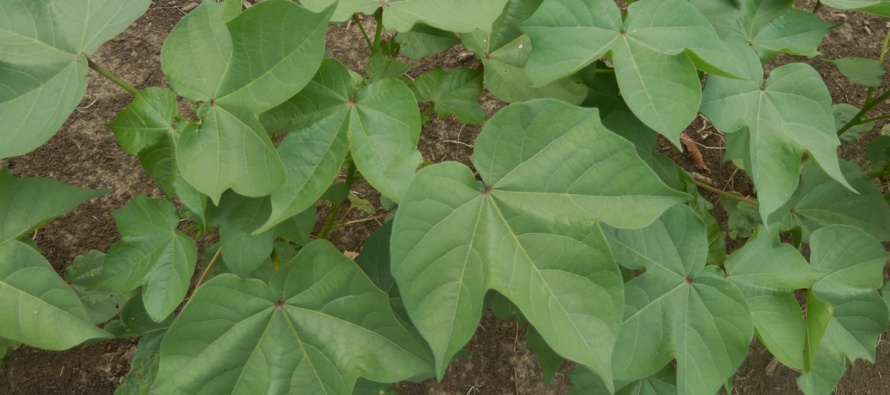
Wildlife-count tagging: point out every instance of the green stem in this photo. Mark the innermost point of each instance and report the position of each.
(879, 173)
(207, 269)
(378, 16)
(331, 220)
(364, 32)
(884, 47)
(865, 109)
(817, 7)
(113, 78)
(727, 194)
(877, 118)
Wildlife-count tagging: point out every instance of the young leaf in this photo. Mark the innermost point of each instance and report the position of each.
(548, 165)
(143, 367)
(43, 48)
(28, 203)
(782, 117)
(821, 201)
(767, 273)
(146, 120)
(134, 321)
(238, 217)
(843, 113)
(550, 361)
(767, 26)
(101, 304)
(504, 52)
(743, 218)
(459, 16)
(852, 264)
(655, 51)
(159, 161)
(879, 152)
(586, 382)
(381, 67)
(423, 40)
(288, 337)
(877, 7)
(151, 253)
(679, 308)
(863, 71)
(39, 309)
(209, 60)
(453, 93)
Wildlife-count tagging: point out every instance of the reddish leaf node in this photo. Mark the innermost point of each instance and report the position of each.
(279, 304)
(487, 191)
(688, 280)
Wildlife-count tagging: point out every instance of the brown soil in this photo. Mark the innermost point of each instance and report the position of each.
(85, 153)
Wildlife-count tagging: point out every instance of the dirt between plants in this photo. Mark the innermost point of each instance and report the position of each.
(85, 153)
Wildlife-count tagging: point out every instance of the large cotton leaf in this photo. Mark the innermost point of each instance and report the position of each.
(380, 124)
(781, 118)
(678, 308)
(844, 304)
(528, 231)
(151, 253)
(28, 203)
(453, 15)
(877, 7)
(504, 51)
(316, 328)
(44, 46)
(767, 26)
(207, 59)
(39, 309)
(656, 50)
(767, 273)
(821, 201)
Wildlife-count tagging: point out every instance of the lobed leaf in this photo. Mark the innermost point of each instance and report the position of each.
(423, 40)
(237, 217)
(877, 7)
(453, 93)
(863, 71)
(459, 16)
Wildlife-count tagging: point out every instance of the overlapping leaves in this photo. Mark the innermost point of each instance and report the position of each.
(779, 119)
(34, 300)
(379, 124)
(43, 64)
(315, 328)
(209, 60)
(656, 51)
(529, 231)
(678, 308)
(877, 7)
(453, 15)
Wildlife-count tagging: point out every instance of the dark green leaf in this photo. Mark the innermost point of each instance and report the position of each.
(144, 366)
(550, 361)
(238, 217)
(423, 40)
(134, 321)
(146, 120)
(843, 113)
(101, 304)
(381, 67)
(453, 93)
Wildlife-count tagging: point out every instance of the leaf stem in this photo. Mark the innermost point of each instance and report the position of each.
(877, 118)
(817, 6)
(879, 173)
(209, 266)
(725, 193)
(331, 221)
(378, 16)
(111, 77)
(364, 32)
(884, 47)
(865, 109)
(358, 221)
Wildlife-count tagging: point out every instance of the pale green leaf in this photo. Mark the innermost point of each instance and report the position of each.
(547, 165)
(29, 203)
(151, 253)
(862, 71)
(877, 7)
(39, 309)
(678, 308)
(821, 201)
(423, 40)
(288, 337)
(843, 113)
(453, 93)
(237, 217)
(43, 65)
(453, 15)
(146, 120)
(381, 67)
(784, 116)
(585, 382)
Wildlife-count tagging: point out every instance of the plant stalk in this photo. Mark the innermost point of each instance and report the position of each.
(865, 109)
(208, 268)
(879, 173)
(378, 16)
(111, 77)
(727, 194)
(331, 220)
(364, 32)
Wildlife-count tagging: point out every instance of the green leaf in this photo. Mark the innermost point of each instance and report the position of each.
(547, 165)
(767, 26)
(843, 113)
(453, 15)
(146, 120)
(361, 204)
(144, 366)
(43, 62)
(297, 229)
(101, 304)
(7, 347)
(585, 382)
(879, 152)
(453, 93)
(743, 217)
(287, 337)
(423, 40)
(505, 51)
(550, 361)
(381, 67)
(821, 201)
(656, 50)
(767, 273)
(238, 217)
(39, 309)
(375, 262)
(151, 253)
(852, 264)
(877, 7)
(134, 321)
(159, 161)
(29, 203)
(678, 308)
(783, 117)
(863, 71)
(209, 60)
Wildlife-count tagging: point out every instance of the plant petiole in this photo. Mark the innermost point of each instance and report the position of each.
(331, 221)
(111, 77)
(725, 193)
(364, 32)
(208, 268)
(865, 109)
